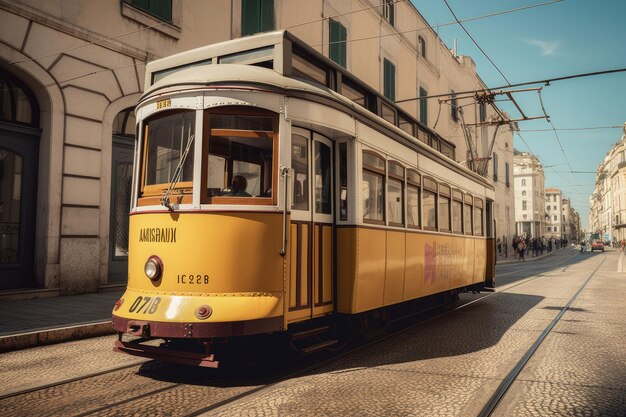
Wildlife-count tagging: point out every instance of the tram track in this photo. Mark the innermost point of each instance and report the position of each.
(309, 368)
(506, 383)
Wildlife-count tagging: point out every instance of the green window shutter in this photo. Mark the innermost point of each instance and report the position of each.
(423, 107)
(249, 17)
(338, 37)
(267, 15)
(389, 80)
(159, 8)
(256, 16)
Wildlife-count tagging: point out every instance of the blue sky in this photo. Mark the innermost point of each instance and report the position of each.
(555, 40)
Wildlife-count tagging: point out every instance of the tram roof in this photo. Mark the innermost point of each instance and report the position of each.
(276, 49)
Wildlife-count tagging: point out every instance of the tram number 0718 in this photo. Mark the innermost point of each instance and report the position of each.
(145, 305)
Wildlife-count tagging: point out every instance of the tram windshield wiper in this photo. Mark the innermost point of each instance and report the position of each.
(165, 198)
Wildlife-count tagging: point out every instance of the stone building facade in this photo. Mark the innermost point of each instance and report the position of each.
(554, 213)
(607, 204)
(530, 204)
(72, 71)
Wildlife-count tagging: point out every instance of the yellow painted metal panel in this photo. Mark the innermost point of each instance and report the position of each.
(394, 274)
(162, 306)
(328, 264)
(480, 261)
(468, 271)
(208, 253)
(346, 269)
(370, 275)
(293, 253)
(414, 275)
(304, 265)
(298, 315)
(317, 274)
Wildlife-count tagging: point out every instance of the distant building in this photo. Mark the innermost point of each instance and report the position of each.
(607, 204)
(554, 216)
(529, 182)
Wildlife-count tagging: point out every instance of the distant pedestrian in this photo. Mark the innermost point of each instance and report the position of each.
(499, 247)
(521, 249)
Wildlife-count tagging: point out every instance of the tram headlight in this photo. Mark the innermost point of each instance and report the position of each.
(153, 267)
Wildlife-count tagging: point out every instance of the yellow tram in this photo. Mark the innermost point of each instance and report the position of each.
(272, 188)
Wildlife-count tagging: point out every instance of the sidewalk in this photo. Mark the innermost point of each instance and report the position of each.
(41, 321)
(501, 260)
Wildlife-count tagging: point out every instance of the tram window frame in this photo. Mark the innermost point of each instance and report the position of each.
(429, 185)
(479, 230)
(151, 194)
(468, 220)
(422, 136)
(406, 124)
(209, 133)
(444, 200)
(388, 113)
(414, 182)
(378, 172)
(304, 62)
(395, 173)
(457, 202)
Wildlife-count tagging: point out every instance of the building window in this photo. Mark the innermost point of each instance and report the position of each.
(389, 11)
(506, 173)
(524, 193)
(423, 106)
(524, 205)
(17, 102)
(523, 183)
(158, 8)
(338, 37)
(389, 81)
(454, 107)
(555, 218)
(495, 166)
(422, 46)
(549, 229)
(256, 16)
(554, 207)
(556, 228)
(547, 208)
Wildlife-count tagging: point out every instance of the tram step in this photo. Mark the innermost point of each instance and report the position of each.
(319, 346)
(308, 333)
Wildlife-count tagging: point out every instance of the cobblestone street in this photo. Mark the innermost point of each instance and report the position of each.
(448, 366)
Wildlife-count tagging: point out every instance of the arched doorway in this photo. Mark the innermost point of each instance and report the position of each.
(121, 179)
(19, 159)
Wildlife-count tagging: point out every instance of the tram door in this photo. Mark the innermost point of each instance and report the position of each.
(311, 241)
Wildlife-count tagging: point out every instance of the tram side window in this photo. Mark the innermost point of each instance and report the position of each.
(413, 199)
(467, 216)
(343, 181)
(167, 137)
(373, 188)
(300, 165)
(429, 196)
(444, 208)
(478, 218)
(395, 194)
(240, 156)
(457, 212)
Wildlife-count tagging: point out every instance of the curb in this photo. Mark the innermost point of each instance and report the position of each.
(19, 341)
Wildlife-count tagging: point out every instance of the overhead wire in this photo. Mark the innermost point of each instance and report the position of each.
(434, 27)
(475, 43)
(344, 14)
